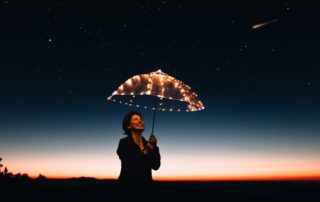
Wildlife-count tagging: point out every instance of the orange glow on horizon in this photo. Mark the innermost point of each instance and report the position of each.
(202, 166)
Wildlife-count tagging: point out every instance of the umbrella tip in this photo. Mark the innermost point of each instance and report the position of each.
(159, 71)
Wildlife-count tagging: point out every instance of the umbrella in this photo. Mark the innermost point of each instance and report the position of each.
(169, 94)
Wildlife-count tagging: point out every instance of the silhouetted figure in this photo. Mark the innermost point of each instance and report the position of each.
(138, 156)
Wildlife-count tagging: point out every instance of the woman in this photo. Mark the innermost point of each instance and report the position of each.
(138, 156)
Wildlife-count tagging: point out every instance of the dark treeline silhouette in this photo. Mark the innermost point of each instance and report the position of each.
(9, 177)
(19, 186)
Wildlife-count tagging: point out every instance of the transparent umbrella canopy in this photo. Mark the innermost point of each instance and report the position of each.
(157, 91)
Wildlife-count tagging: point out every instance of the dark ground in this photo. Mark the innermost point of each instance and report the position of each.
(84, 189)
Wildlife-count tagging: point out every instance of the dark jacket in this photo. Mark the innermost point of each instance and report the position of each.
(135, 166)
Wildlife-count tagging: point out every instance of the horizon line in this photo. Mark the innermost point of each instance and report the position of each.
(190, 179)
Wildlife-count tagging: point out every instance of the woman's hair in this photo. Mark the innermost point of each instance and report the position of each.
(126, 122)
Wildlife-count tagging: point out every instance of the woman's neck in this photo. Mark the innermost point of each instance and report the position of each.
(137, 138)
(136, 133)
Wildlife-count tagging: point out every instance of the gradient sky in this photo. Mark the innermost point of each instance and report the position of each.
(60, 60)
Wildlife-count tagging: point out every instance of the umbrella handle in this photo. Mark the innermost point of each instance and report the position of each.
(154, 112)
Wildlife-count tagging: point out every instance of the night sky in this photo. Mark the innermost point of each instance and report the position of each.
(60, 60)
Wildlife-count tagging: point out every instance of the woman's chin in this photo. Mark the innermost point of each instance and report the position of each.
(139, 129)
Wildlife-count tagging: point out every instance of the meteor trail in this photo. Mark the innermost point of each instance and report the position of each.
(263, 24)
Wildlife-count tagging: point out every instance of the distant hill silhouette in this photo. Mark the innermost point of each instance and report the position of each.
(20, 187)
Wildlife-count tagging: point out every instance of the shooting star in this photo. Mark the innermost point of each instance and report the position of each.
(257, 26)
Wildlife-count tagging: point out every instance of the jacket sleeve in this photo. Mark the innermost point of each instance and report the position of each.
(121, 151)
(154, 158)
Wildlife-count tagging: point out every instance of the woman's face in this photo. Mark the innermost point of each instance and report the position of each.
(136, 123)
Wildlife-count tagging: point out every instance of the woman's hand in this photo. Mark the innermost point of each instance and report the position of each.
(152, 141)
